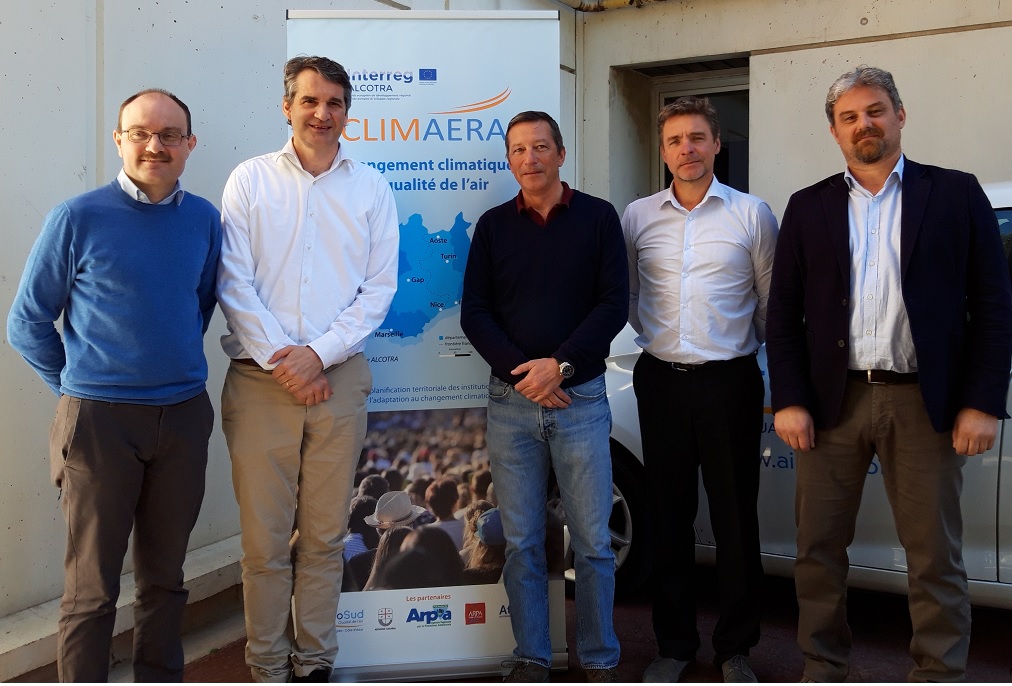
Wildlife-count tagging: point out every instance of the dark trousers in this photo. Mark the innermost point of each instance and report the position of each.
(923, 480)
(123, 466)
(710, 420)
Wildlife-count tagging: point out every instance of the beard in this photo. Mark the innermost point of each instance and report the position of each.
(870, 146)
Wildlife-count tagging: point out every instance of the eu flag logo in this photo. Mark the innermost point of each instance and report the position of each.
(426, 74)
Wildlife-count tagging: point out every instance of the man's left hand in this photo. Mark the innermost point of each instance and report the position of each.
(974, 432)
(541, 384)
(298, 366)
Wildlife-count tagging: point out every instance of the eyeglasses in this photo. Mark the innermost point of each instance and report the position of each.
(169, 139)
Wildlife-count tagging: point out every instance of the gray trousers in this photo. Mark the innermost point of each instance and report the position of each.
(123, 467)
(923, 480)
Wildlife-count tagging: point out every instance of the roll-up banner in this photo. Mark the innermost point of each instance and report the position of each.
(432, 95)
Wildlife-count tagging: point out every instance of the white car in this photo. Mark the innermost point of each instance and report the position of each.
(876, 556)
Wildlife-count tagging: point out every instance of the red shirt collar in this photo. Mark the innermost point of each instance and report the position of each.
(567, 195)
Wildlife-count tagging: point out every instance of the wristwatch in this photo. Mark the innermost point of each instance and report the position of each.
(567, 370)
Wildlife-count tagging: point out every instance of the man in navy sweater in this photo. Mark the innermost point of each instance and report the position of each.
(130, 267)
(545, 291)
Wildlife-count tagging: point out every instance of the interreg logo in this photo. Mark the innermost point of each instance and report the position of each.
(385, 616)
(379, 80)
(474, 613)
(439, 615)
(350, 618)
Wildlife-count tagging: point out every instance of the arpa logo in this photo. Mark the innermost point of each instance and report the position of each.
(474, 613)
(439, 615)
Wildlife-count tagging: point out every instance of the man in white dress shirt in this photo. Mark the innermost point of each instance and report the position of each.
(700, 256)
(308, 271)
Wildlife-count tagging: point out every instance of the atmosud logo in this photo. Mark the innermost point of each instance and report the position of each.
(439, 615)
(350, 620)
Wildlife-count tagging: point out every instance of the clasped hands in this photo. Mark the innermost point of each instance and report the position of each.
(300, 372)
(541, 383)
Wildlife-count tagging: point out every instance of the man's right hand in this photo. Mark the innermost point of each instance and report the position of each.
(795, 427)
(313, 393)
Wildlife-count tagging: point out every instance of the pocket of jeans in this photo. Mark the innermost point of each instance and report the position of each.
(588, 390)
(498, 389)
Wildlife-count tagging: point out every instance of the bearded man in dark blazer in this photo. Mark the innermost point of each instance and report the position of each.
(889, 332)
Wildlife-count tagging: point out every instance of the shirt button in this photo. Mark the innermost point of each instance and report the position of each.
(871, 297)
(840, 343)
(844, 302)
(868, 332)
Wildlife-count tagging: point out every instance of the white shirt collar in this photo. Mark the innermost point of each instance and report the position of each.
(289, 152)
(715, 190)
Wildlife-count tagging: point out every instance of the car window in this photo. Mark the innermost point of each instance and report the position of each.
(1004, 215)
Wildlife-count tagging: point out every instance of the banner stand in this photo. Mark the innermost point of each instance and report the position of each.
(432, 95)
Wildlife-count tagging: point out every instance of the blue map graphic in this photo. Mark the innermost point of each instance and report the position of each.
(430, 276)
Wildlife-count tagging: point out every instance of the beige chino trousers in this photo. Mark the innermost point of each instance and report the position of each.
(293, 467)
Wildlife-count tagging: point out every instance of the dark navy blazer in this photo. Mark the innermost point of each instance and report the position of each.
(956, 289)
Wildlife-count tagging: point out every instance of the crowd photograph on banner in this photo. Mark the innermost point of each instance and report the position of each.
(425, 512)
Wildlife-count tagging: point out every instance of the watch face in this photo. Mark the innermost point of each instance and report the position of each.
(566, 370)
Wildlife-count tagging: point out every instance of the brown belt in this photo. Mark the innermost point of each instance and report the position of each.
(250, 362)
(883, 376)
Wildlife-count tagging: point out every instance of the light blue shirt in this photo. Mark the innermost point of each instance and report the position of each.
(699, 279)
(131, 189)
(879, 326)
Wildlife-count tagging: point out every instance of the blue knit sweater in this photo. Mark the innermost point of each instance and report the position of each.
(135, 285)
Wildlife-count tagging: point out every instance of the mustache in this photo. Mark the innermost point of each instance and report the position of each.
(161, 157)
(870, 132)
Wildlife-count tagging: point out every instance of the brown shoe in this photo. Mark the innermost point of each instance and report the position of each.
(526, 672)
(602, 676)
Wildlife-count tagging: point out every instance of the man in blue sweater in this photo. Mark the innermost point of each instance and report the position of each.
(545, 291)
(130, 267)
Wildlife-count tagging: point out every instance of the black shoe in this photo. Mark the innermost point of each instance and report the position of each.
(320, 674)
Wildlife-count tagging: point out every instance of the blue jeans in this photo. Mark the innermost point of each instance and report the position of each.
(524, 440)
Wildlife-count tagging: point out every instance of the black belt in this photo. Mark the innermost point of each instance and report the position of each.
(882, 376)
(682, 367)
(686, 367)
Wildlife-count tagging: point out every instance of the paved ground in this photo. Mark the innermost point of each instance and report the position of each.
(881, 636)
